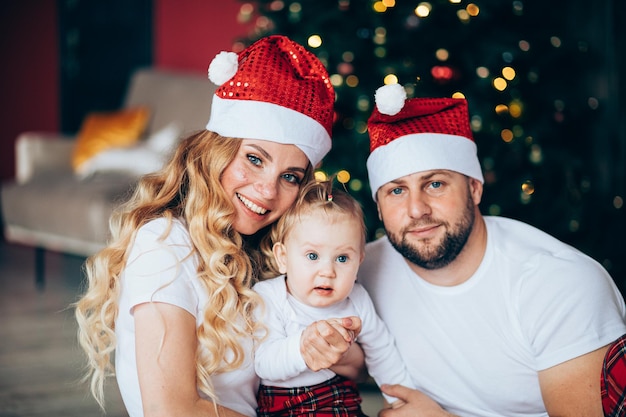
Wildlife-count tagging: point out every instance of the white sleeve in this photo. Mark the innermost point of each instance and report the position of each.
(277, 357)
(160, 271)
(381, 355)
(568, 306)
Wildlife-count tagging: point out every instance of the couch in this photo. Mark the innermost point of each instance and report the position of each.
(49, 207)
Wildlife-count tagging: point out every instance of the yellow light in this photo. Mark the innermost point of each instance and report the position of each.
(352, 81)
(390, 79)
(528, 187)
(442, 54)
(463, 15)
(536, 154)
(472, 9)
(477, 123)
(423, 9)
(343, 176)
(356, 185)
(501, 109)
(455, 1)
(361, 127)
(515, 109)
(379, 7)
(315, 41)
(508, 73)
(389, 3)
(320, 176)
(499, 83)
(458, 94)
(336, 80)
(380, 52)
(363, 103)
(295, 7)
(506, 135)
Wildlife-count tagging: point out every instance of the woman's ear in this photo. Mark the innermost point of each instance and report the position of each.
(280, 254)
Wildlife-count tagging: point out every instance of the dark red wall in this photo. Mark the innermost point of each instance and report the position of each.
(187, 35)
(28, 73)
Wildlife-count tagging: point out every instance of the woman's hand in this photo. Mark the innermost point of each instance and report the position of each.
(324, 343)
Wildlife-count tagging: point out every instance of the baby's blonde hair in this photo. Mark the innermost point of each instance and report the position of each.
(314, 197)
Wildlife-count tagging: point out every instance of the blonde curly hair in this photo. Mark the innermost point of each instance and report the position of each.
(188, 188)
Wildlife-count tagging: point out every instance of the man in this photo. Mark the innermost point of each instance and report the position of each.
(491, 316)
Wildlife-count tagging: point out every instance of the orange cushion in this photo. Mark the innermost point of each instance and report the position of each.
(105, 130)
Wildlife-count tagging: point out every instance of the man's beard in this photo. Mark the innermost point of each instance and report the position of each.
(449, 248)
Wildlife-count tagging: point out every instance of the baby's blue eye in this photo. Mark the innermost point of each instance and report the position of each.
(342, 258)
(311, 256)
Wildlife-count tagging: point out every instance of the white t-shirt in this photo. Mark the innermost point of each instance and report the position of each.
(476, 348)
(278, 360)
(164, 271)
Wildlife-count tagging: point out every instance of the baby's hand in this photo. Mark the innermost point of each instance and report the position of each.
(339, 324)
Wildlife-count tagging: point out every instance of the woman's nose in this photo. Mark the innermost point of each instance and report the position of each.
(268, 188)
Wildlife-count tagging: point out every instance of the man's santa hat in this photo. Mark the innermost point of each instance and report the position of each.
(419, 134)
(273, 90)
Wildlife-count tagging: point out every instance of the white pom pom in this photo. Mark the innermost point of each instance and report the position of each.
(223, 67)
(390, 99)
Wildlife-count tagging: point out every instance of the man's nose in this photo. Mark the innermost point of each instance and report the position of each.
(418, 205)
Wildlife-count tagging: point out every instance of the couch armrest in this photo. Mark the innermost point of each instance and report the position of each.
(40, 153)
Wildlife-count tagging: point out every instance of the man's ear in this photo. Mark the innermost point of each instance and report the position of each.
(476, 190)
(280, 254)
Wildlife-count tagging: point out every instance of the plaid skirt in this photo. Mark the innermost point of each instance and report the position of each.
(337, 397)
(613, 382)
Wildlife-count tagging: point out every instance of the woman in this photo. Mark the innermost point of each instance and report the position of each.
(171, 293)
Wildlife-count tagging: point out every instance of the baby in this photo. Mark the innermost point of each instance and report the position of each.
(318, 246)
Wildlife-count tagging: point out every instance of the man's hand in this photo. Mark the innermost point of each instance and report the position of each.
(324, 342)
(411, 403)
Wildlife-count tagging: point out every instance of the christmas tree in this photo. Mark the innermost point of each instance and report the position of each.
(527, 76)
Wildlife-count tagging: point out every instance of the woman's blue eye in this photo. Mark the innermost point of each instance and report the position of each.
(311, 256)
(396, 191)
(254, 159)
(342, 258)
(294, 179)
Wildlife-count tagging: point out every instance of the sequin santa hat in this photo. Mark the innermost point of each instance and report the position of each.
(419, 134)
(273, 90)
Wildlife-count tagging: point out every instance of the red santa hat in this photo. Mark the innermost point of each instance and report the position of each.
(273, 90)
(419, 134)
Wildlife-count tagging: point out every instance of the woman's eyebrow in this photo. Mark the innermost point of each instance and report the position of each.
(267, 156)
(263, 152)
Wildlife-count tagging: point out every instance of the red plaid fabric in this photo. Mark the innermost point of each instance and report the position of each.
(337, 397)
(613, 381)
